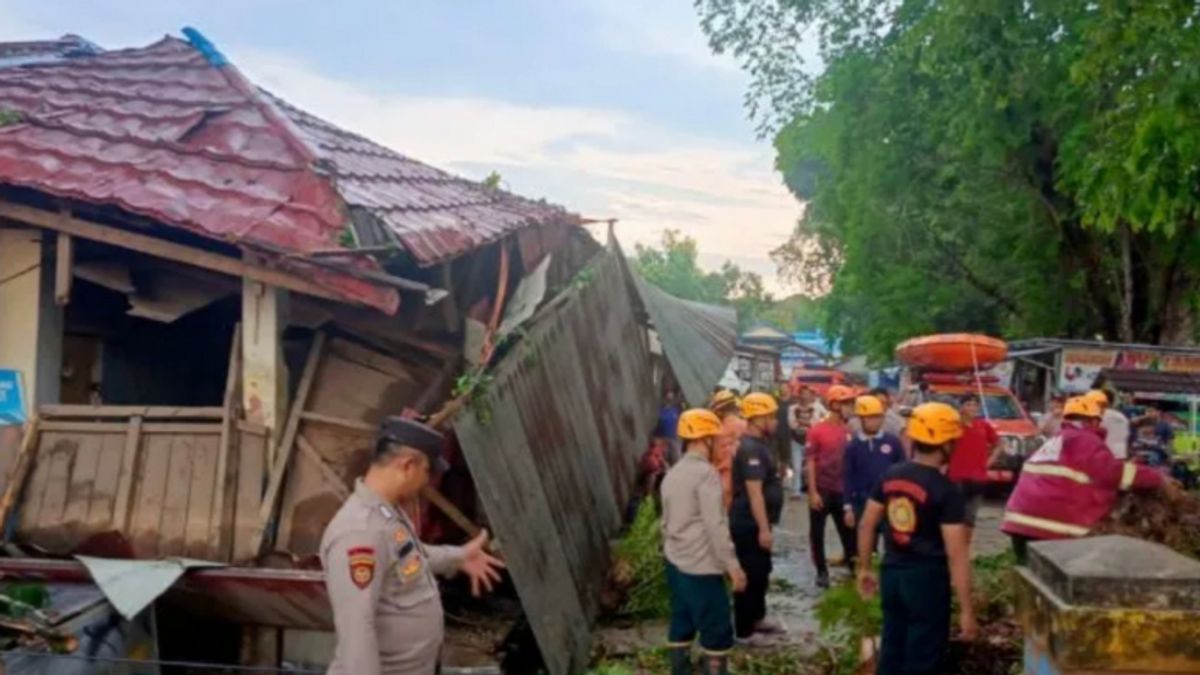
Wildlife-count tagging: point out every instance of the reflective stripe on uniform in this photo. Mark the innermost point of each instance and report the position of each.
(1057, 470)
(1058, 527)
(1128, 474)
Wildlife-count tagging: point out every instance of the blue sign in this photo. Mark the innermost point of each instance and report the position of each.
(12, 397)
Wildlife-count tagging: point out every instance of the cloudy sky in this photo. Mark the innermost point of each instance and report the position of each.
(613, 108)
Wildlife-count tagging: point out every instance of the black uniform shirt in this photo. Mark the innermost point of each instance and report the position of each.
(754, 461)
(918, 500)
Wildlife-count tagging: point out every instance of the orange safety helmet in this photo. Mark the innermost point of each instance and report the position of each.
(758, 404)
(868, 406)
(934, 424)
(1081, 406)
(839, 393)
(699, 423)
(724, 399)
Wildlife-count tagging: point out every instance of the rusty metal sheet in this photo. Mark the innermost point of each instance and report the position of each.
(698, 339)
(553, 445)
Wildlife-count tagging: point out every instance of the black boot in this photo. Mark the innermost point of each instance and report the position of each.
(681, 660)
(714, 665)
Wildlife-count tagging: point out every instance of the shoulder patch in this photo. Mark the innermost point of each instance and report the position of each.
(362, 565)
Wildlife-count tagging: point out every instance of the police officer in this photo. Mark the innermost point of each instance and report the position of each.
(380, 577)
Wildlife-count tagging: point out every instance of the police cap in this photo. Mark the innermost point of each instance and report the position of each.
(415, 435)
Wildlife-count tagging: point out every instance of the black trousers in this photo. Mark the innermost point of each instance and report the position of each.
(834, 507)
(699, 606)
(916, 619)
(750, 606)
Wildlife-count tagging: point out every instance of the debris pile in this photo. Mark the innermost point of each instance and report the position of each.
(1171, 519)
(637, 580)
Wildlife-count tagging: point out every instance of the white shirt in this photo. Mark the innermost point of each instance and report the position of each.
(1116, 428)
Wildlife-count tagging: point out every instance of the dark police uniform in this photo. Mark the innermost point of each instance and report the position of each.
(915, 579)
(754, 461)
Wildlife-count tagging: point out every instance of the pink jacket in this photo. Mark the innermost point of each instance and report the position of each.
(1069, 485)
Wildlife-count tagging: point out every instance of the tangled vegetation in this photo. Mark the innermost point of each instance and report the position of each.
(637, 583)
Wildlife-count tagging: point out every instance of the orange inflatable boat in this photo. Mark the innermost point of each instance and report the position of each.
(952, 353)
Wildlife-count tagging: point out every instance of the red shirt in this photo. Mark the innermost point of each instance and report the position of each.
(826, 445)
(970, 459)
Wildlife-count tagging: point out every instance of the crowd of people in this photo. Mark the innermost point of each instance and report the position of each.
(914, 480)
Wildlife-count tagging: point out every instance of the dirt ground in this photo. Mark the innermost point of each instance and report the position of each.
(793, 583)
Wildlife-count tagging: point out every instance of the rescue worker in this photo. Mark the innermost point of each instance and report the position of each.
(757, 505)
(699, 550)
(823, 463)
(975, 450)
(926, 550)
(1114, 423)
(380, 578)
(868, 455)
(726, 406)
(1072, 482)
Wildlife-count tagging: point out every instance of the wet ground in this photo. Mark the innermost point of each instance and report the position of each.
(793, 583)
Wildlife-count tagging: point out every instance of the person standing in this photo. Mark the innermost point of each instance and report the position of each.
(699, 550)
(387, 609)
(1052, 421)
(668, 423)
(1072, 482)
(757, 505)
(824, 466)
(1114, 423)
(868, 456)
(726, 406)
(974, 451)
(806, 412)
(893, 421)
(926, 550)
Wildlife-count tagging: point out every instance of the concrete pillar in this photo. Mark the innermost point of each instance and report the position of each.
(1109, 604)
(31, 324)
(264, 369)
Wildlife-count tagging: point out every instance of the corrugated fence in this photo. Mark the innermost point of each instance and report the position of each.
(553, 446)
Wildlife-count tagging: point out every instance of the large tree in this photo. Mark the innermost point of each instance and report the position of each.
(1020, 167)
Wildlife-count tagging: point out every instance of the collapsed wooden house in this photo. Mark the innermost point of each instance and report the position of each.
(212, 299)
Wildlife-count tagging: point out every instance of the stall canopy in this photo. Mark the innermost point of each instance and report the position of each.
(1149, 381)
(697, 339)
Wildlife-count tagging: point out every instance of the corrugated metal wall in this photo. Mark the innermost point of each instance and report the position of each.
(553, 446)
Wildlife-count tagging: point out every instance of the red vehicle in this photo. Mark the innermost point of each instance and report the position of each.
(946, 368)
(817, 379)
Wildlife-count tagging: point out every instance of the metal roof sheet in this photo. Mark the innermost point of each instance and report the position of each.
(698, 339)
(173, 133)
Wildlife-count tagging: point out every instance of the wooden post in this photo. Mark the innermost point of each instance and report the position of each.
(30, 321)
(64, 270)
(21, 467)
(133, 441)
(264, 371)
(224, 449)
(283, 453)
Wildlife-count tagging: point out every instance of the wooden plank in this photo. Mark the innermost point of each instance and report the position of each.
(64, 269)
(283, 455)
(151, 489)
(156, 412)
(252, 468)
(332, 479)
(129, 471)
(104, 489)
(84, 427)
(175, 502)
(59, 459)
(26, 458)
(452, 512)
(181, 429)
(159, 248)
(221, 527)
(79, 496)
(200, 496)
(370, 358)
(341, 423)
(253, 428)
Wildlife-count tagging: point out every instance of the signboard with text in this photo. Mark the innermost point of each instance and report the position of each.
(1081, 367)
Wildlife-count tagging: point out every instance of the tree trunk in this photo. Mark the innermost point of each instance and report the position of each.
(1126, 294)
